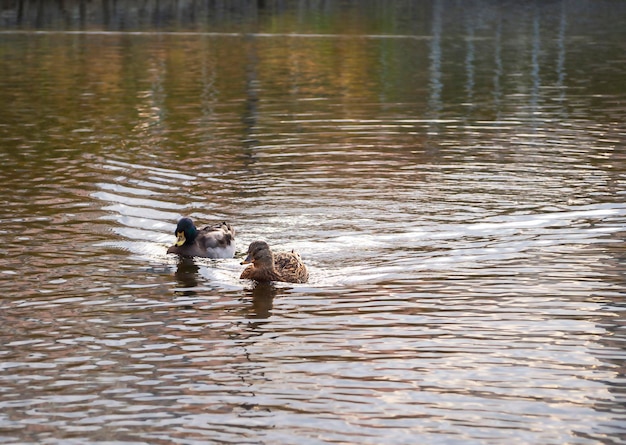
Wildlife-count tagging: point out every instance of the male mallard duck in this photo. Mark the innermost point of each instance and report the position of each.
(217, 241)
(266, 266)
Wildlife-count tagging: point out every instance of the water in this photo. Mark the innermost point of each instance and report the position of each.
(453, 175)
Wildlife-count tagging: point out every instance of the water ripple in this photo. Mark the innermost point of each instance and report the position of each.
(464, 234)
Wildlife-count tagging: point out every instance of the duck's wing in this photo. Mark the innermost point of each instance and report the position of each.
(218, 240)
(290, 267)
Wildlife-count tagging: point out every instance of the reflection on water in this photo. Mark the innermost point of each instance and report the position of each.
(452, 174)
(262, 295)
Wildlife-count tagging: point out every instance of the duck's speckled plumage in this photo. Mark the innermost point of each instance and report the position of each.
(268, 266)
(216, 241)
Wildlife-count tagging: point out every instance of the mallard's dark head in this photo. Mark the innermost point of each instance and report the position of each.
(185, 232)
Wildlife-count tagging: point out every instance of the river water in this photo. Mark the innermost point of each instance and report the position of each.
(452, 173)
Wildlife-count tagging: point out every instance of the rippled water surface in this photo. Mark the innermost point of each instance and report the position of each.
(452, 173)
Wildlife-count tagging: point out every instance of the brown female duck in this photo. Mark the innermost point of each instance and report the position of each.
(267, 266)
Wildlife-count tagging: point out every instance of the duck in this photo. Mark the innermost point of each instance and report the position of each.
(267, 266)
(214, 241)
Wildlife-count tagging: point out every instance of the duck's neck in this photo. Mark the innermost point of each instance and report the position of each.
(190, 236)
(264, 271)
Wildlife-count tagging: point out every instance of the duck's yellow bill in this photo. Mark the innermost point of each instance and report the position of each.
(180, 238)
(248, 260)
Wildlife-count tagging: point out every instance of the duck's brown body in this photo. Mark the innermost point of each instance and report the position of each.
(267, 266)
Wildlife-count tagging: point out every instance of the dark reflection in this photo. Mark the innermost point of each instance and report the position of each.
(262, 295)
(497, 61)
(115, 14)
(436, 85)
(187, 276)
(251, 113)
(560, 65)
(535, 61)
(470, 59)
